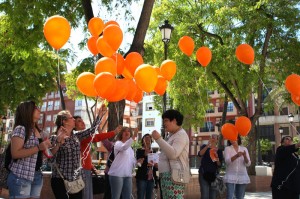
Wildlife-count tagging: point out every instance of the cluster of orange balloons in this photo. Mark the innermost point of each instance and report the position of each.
(242, 126)
(186, 45)
(57, 31)
(110, 40)
(139, 77)
(292, 84)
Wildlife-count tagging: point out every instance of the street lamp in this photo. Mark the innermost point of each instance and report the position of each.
(291, 117)
(196, 138)
(280, 131)
(166, 31)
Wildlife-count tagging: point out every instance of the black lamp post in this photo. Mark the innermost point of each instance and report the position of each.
(2, 130)
(166, 30)
(280, 131)
(291, 120)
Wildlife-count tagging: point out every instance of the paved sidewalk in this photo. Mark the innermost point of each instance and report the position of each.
(260, 195)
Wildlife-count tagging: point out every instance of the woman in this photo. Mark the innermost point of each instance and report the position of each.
(85, 149)
(285, 162)
(145, 175)
(120, 171)
(177, 146)
(25, 178)
(66, 153)
(209, 167)
(236, 177)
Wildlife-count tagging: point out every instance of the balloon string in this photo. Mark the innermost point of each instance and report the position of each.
(58, 72)
(209, 122)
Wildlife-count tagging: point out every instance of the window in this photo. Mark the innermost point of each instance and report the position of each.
(41, 119)
(78, 103)
(48, 118)
(149, 106)
(50, 106)
(54, 117)
(267, 132)
(230, 107)
(149, 122)
(56, 105)
(208, 127)
(44, 106)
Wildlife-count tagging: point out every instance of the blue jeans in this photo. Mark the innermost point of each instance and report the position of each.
(237, 190)
(144, 188)
(206, 190)
(120, 185)
(23, 188)
(88, 188)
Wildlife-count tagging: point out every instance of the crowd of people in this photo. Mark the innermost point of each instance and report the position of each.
(68, 150)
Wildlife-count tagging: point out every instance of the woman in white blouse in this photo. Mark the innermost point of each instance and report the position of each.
(236, 177)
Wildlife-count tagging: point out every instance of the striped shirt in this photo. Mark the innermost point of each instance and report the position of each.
(25, 167)
(67, 157)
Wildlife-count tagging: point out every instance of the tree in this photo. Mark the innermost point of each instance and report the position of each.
(270, 27)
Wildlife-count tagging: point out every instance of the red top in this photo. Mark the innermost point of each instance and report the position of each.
(84, 147)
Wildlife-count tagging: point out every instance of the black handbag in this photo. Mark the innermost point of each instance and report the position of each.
(98, 183)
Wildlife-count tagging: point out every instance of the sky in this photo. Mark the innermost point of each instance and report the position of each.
(77, 34)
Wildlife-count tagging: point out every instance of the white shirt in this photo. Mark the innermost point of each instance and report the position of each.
(124, 161)
(236, 171)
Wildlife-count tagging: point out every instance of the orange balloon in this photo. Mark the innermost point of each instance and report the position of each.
(146, 77)
(168, 69)
(104, 48)
(113, 36)
(127, 74)
(121, 90)
(138, 96)
(161, 85)
(204, 55)
(57, 31)
(157, 70)
(229, 132)
(292, 84)
(96, 26)
(132, 90)
(111, 23)
(106, 64)
(85, 85)
(245, 54)
(92, 45)
(186, 45)
(243, 125)
(105, 84)
(120, 62)
(295, 99)
(132, 61)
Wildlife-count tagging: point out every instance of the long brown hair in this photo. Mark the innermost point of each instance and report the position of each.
(24, 117)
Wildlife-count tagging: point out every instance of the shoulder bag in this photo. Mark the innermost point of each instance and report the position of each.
(179, 174)
(73, 186)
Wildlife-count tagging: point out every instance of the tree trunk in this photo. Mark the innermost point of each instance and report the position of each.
(115, 114)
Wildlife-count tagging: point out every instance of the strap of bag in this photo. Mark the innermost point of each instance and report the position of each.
(58, 171)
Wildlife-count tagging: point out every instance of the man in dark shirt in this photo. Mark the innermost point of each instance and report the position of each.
(286, 170)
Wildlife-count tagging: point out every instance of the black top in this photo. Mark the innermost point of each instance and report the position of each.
(207, 165)
(143, 170)
(285, 162)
